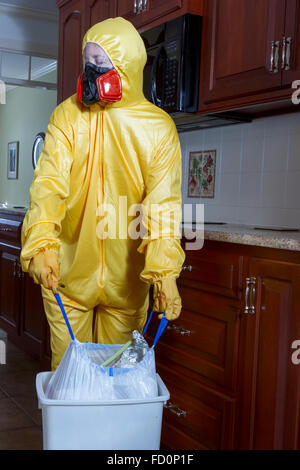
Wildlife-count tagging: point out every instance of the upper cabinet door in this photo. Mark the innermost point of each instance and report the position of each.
(99, 10)
(71, 31)
(241, 49)
(291, 46)
(140, 12)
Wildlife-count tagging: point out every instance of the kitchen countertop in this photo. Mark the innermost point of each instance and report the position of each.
(13, 210)
(285, 239)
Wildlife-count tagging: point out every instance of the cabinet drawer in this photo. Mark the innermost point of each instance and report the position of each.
(10, 229)
(213, 271)
(194, 417)
(204, 339)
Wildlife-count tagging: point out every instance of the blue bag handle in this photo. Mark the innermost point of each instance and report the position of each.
(160, 329)
(58, 299)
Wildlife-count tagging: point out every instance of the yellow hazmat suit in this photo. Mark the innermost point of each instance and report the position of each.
(102, 155)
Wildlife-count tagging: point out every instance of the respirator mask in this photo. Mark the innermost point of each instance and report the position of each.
(99, 84)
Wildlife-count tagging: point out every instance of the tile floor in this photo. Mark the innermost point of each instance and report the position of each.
(20, 418)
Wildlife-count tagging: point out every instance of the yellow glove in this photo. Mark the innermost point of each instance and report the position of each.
(44, 269)
(166, 298)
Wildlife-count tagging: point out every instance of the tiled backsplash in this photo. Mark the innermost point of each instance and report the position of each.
(257, 171)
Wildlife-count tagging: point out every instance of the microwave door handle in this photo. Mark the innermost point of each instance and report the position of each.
(155, 99)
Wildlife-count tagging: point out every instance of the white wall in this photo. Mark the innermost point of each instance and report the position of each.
(25, 114)
(257, 174)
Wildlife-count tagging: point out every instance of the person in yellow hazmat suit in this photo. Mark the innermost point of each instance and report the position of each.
(107, 151)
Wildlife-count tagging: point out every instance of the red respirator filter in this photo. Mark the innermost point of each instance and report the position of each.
(109, 87)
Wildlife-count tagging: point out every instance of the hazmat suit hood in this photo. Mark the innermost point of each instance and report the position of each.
(125, 48)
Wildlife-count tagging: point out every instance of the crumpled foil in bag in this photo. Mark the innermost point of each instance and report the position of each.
(135, 353)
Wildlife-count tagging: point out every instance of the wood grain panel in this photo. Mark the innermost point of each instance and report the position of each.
(237, 49)
(269, 382)
(212, 346)
(207, 422)
(213, 271)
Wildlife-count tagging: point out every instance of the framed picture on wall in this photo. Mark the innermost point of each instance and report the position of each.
(12, 160)
(202, 173)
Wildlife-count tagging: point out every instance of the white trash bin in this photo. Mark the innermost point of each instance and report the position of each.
(131, 424)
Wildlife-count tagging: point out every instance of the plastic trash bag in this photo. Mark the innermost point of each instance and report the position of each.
(81, 375)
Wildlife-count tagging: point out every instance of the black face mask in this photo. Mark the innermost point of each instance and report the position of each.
(89, 90)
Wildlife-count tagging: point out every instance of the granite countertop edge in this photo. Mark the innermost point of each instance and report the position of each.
(247, 235)
(231, 233)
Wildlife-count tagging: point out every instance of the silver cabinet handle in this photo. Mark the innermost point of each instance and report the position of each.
(176, 410)
(20, 273)
(250, 295)
(15, 268)
(6, 229)
(272, 56)
(283, 53)
(179, 330)
(135, 6)
(140, 6)
(288, 54)
(187, 267)
(17, 272)
(274, 60)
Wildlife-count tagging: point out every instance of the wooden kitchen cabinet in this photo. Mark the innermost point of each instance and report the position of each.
(230, 375)
(72, 27)
(21, 307)
(32, 316)
(9, 290)
(10, 274)
(291, 70)
(245, 49)
(239, 37)
(269, 383)
(99, 10)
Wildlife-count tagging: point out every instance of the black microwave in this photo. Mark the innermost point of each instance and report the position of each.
(172, 71)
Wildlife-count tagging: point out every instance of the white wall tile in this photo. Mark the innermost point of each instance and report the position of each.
(250, 189)
(212, 137)
(249, 216)
(273, 189)
(229, 189)
(294, 152)
(231, 156)
(278, 125)
(293, 190)
(252, 157)
(213, 214)
(290, 217)
(257, 171)
(222, 213)
(280, 217)
(276, 152)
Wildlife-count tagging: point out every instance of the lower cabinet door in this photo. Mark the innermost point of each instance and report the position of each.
(10, 291)
(32, 314)
(204, 339)
(195, 417)
(268, 408)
